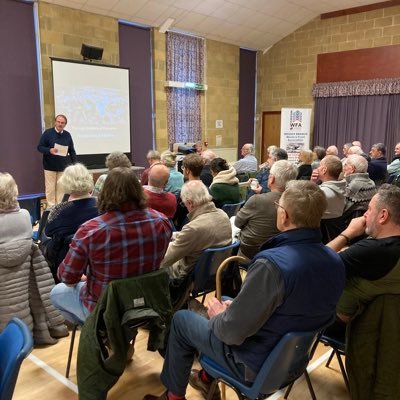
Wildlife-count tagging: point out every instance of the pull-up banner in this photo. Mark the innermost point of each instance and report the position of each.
(295, 131)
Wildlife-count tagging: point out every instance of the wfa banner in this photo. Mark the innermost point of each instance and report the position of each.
(295, 131)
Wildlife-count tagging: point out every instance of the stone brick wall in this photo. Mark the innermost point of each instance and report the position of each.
(62, 31)
(219, 102)
(288, 69)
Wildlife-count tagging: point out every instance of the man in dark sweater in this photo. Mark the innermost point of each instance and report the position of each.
(293, 284)
(58, 152)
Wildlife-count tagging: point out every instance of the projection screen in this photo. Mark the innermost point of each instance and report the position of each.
(95, 99)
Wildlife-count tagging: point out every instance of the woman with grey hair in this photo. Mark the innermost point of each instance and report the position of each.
(25, 278)
(113, 160)
(65, 218)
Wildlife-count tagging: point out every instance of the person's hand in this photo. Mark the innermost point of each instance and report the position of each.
(83, 278)
(356, 228)
(53, 150)
(315, 176)
(227, 302)
(258, 189)
(215, 307)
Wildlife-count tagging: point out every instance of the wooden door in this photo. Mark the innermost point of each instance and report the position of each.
(271, 132)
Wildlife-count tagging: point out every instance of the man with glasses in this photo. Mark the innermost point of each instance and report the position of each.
(257, 218)
(293, 284)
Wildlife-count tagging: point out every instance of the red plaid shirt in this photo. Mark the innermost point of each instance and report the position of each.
(115, 245)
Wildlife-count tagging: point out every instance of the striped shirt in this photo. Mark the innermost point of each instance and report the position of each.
(115, 245)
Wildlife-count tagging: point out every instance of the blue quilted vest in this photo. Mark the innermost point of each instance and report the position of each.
(314, 277)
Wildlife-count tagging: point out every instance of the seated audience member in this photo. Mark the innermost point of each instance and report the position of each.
(345, 150)
(196, 235)
(334, 189)
(206, 175)
(198, 147)
(357, 144)
(372, 264)
(157, 198)
(394, 167)
(249, 162)
(265, 164)
(225, 186)
(26, 280)
(175, 180)
(192, 165)
(126, 239)
(286, 290)
(275, 154)
(359, 188)
(377, 167)
(304, 165)
(257, 218)
(332, 151)
(153, 158)
(65, 218)
(319, 153)
(113, 160)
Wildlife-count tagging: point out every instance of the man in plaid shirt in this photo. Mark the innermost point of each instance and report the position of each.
(126, 240)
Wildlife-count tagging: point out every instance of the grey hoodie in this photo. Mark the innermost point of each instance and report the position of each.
(335, 196)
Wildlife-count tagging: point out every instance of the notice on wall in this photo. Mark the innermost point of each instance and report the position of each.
(295, 131)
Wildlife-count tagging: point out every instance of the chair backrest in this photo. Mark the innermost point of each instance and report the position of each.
(331, 228)
(15, 344)
(205, 269)
(31, 202)
(232, 209)
(39, 235)
(287, 361)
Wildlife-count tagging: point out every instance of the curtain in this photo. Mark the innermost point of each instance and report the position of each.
(359, 110)
(20, 115)
(185, 63)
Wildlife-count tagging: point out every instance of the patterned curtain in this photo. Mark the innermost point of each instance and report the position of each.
(185, 63)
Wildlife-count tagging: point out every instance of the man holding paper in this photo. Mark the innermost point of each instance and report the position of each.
(58, 152)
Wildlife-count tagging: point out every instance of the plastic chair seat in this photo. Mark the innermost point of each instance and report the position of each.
(15, 343)
(287, 362)
(232, 209)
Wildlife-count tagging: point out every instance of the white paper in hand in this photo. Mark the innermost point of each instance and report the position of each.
(62, 150)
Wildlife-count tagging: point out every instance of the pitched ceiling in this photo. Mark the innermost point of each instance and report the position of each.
(254, 24)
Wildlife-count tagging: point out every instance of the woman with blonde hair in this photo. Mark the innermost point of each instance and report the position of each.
(25, 278)
(304, 166)
(65, 218)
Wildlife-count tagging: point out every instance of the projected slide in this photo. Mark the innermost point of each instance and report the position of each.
(95, 99)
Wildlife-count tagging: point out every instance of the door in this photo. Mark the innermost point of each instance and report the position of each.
(271, 132)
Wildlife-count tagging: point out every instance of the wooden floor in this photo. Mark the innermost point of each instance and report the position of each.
(42, 376)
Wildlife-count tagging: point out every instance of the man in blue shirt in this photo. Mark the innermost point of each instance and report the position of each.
(51, 143)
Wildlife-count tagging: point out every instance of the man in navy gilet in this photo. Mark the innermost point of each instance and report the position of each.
(292, 284)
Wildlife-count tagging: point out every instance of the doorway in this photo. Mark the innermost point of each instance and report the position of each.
(271, 132)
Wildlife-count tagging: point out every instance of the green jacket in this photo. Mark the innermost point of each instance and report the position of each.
(123, 304)
(372, 350)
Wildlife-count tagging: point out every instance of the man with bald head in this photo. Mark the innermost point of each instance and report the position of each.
(157, 197)
(248, 163)
(332, 151)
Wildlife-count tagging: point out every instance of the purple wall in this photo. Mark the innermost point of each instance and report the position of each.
(247, 93)
(20, 125)
(135, 53)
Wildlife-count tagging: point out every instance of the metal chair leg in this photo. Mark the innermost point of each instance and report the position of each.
(71, 349)
(343, 369)
(288, 390)
(330, 359)
(309, 384)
